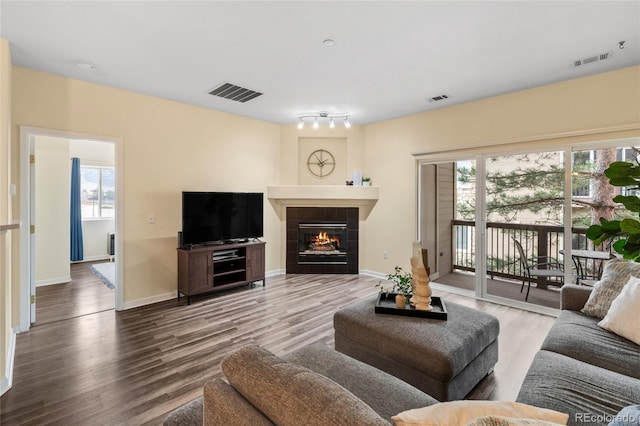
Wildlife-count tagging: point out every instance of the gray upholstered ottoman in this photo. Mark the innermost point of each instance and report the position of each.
(444, 359)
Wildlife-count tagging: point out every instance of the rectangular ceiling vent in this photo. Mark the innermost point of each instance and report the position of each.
(234, 93)
(439, 98)
(591, 59)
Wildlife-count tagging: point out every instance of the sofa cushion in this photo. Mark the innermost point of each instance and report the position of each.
(463, 412)
(223, 405)
(578, 336)
(386, 394)
(289, 394)
(190, 414)
(584, 391)
(615, 275)
(623, 317)
(509, 421)
(628, 416)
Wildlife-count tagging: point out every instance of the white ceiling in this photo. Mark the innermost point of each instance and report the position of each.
(388, 58)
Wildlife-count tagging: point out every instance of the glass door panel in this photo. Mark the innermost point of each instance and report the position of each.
(591, 199)
(524, 210)
(447, 222)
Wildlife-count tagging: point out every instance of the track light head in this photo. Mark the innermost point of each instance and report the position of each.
(323, 116)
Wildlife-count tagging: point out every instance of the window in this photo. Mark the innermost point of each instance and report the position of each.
(98, 192)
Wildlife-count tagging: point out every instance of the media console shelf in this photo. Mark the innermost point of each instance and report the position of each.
(212, 268)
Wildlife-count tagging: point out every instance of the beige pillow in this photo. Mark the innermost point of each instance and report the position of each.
(508, 421)
(623, 317)
(463, 412)
(615, 275)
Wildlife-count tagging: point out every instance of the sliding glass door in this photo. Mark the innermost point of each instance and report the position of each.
(524, 215)
(511, 227)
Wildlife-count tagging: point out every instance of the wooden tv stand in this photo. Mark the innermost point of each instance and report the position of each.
(210, 268)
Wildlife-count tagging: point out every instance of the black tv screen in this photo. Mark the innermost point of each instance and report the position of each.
(212, 217)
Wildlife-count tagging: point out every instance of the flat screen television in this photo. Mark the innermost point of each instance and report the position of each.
(215, 217)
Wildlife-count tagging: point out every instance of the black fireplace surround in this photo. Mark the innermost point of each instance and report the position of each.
(322, 240)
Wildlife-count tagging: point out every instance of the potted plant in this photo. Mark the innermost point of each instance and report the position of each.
(624, 233)
(366, 181)
(401, 284)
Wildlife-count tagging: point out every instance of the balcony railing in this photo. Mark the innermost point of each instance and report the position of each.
(538, 241)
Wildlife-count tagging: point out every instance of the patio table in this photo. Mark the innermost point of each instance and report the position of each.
(580, 256)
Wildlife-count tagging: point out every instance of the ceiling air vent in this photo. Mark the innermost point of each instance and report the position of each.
(234, 93)
(439, 98)
(591, 59)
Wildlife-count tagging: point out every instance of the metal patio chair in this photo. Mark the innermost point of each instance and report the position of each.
(541, 267)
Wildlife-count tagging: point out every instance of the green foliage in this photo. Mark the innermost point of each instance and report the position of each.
(509, 192)
(625, 231)
(401, 282)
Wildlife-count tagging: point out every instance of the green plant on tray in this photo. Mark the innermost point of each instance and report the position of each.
(401, 283)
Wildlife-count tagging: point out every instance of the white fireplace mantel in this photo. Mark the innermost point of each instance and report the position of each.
(324, 196)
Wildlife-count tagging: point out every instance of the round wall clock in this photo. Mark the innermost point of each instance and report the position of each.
(321, 163)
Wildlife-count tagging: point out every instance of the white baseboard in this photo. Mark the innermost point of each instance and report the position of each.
(96, 258)
(7, 378)
(52, 281)
(373, 274)
(275, 273)
(149, 300)
(173, 295)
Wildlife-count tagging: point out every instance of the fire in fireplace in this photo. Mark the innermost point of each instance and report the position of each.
(322, 243)
(322, 240)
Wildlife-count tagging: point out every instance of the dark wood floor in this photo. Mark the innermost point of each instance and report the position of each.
(135, 366)
(84, 295)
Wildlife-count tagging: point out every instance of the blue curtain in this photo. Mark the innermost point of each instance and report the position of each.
(77, 251)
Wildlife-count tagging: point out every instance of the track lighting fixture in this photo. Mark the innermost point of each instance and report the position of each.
(322, 116)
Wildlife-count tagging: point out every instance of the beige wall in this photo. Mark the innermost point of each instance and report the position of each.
(5, 214)
(168, 147)
(585, 105)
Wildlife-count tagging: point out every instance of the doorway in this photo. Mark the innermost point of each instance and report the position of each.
(67, 289)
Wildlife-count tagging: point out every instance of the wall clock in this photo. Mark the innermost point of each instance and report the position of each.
(321, 163)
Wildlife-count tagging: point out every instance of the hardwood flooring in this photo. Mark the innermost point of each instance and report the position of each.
(84, 295)
(135, 366)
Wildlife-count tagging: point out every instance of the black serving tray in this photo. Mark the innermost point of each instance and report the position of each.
(386, 304)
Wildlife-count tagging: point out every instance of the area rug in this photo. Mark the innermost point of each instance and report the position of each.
(106, 272)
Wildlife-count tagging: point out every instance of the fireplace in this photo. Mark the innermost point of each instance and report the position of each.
(322, 240)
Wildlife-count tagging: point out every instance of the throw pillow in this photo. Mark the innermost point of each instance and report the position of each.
(508, 421)
(463, 412)
(628, 416)
(291, 395)
(623, 317)
(615, 275)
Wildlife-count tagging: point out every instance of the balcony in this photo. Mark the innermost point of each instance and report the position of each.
(504, 271)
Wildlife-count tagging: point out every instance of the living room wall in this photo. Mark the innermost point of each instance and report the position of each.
(6, 333)
(597, 107)
(168, 147)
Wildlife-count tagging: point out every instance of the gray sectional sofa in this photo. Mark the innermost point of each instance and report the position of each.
(582, 369)
(315, 385)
